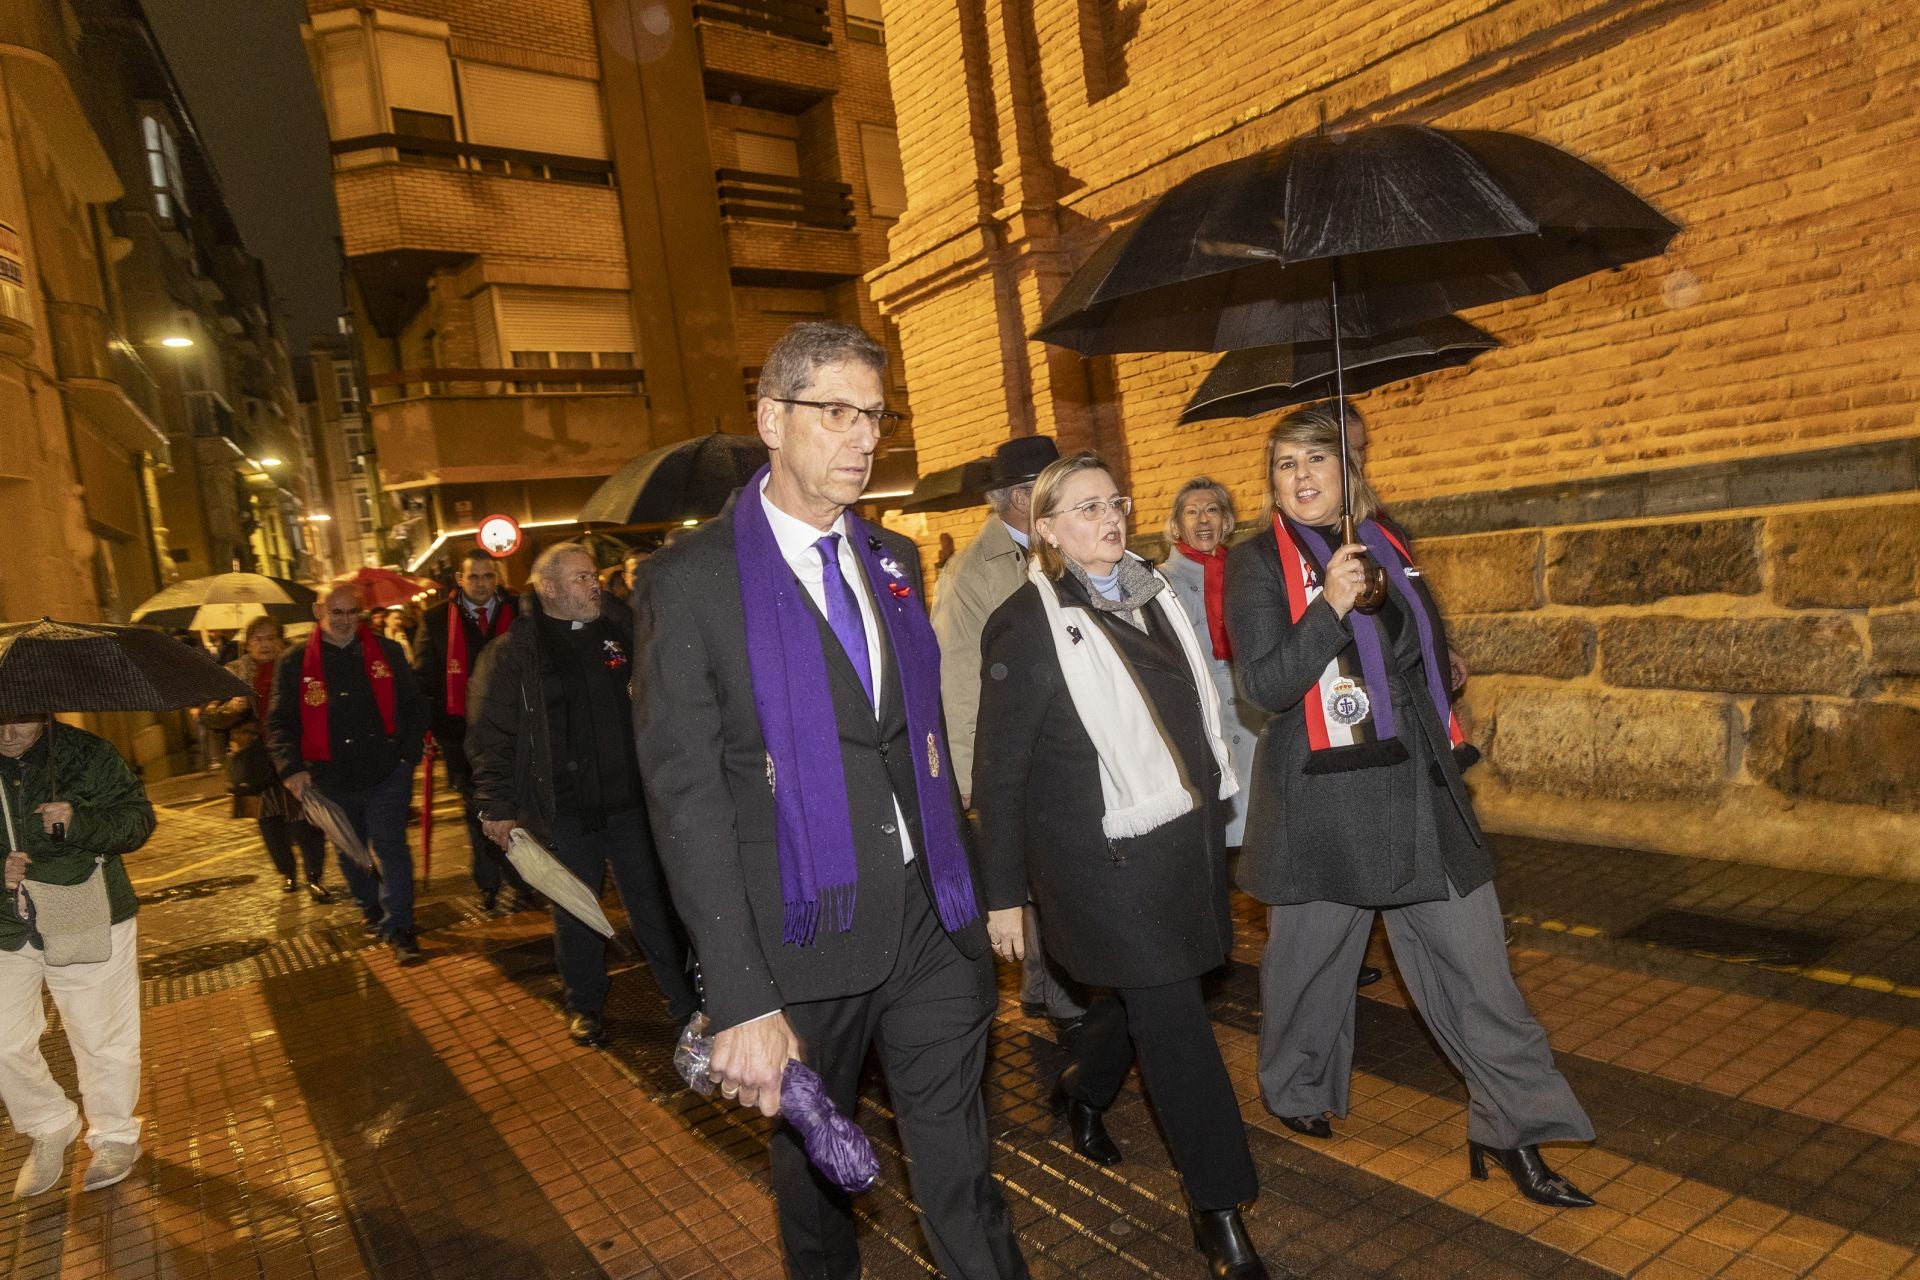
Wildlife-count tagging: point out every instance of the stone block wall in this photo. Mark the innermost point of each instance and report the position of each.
(1742, 684)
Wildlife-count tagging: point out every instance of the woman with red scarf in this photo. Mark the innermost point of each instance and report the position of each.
(250, 774)
(1196, 565)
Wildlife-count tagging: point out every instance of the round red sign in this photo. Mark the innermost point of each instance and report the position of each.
(498, 535)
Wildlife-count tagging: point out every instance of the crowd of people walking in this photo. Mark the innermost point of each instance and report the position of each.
(844, 807)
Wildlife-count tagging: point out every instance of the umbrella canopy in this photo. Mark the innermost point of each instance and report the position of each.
(952, 488)
(564, 889)
(71, 666)
(385, 588)
(332, 819)
(226, 601)
(1263, 379)
(1410, 222)
(691, 480)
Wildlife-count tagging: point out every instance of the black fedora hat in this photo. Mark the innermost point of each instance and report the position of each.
(1022, 458)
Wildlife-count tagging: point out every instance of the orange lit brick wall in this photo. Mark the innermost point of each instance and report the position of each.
(516, 220)
(563, 27)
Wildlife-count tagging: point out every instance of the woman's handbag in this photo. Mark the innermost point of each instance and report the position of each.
(74, 921)
(250, 769)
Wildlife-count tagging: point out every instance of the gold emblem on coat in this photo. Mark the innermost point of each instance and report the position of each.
(316, 694)
(453, 666)
(381, 671)
(933, 757)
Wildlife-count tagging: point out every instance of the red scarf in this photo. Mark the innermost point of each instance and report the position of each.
(314, 742)
(458, 668)
(1214, 565)
(262, 687)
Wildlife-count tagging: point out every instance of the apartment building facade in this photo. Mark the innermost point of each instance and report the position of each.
(348, 517)
(1676, 520)
(573, 229)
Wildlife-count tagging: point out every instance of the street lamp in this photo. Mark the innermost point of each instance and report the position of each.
(176, 340)
(271, 462)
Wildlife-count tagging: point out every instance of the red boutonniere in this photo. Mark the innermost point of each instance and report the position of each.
(900, 590)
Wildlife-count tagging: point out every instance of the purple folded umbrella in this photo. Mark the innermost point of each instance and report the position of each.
(837, 1146)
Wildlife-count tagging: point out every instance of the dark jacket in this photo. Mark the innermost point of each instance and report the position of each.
(509, 743)
(1135, 912)
(430, 668)
(1368, 837)
(111, 817)
(705, 767)
(350, 756)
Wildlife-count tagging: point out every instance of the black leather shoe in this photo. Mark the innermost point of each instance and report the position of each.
(523, 900)
(1308, 1126)
(1085, 1129)
(1368, 976)
(405, 948)
(489, 898)
(319, 892)
(290, 885)
(1032, 1009)
(1530, 1173)
(1221, 1236)
(587, 1029)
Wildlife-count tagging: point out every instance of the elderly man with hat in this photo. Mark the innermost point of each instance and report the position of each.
(974, 583)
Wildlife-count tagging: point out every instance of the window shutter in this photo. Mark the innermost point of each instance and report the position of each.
(511, 108)
(416, 72)
(565, 319)
(766, 153)
(886, 183)
(349, 84)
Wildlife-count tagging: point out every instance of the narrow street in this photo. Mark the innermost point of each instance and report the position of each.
(1750, 1058)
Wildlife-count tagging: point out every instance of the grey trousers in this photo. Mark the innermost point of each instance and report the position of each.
(1041, 981)
(1453, 956)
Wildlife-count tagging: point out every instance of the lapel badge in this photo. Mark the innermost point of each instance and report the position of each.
(933, 757)
(1075, 633)
(900, 590)
(769, 770)
(874, 544)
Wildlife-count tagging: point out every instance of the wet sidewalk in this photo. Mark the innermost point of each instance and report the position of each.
(1747, 1042)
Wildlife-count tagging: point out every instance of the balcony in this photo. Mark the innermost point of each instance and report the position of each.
(788, 230)
(104, 379)
(470, 426)
(804, 20)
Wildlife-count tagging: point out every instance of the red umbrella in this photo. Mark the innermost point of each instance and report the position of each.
(426, 811)
(385, 588)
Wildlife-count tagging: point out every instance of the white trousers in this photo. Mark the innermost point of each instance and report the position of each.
(100, 1006)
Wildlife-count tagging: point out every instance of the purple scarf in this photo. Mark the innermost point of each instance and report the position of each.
(814, 833)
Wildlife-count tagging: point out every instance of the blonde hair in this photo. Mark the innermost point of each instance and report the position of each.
(1201, 484)
(1046, 496)
(1319, 428)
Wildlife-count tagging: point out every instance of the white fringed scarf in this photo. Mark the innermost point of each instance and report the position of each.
(1140, 784)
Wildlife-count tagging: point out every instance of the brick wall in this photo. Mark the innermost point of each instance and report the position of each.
(563, 27)
(513, 220)
(1779, 324)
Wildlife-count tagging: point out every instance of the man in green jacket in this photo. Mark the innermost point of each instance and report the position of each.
(70, 803)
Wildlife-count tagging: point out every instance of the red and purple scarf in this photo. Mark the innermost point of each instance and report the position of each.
(458, 667)
(1213, 567)
(314, 742)
(813, 828)
(1349, 713)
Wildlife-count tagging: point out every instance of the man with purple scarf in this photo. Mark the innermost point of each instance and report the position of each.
(789, 723)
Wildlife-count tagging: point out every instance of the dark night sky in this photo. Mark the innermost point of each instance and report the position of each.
(246, 80)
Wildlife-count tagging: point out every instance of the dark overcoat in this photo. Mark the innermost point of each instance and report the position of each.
(1374, 837)
(1135, 912)
(710, 793)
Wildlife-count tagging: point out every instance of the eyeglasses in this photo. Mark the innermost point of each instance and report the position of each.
(1095, 509)
(836, 415)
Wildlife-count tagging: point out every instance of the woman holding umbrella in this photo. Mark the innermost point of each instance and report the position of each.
(1099, 771)
(1356, 806)
(250, 772)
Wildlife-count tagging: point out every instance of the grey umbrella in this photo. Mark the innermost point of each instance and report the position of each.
(49, 666)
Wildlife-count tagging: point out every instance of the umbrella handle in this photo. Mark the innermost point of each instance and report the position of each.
(1374, 593)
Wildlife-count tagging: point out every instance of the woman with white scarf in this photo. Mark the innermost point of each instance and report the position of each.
(1099, 772)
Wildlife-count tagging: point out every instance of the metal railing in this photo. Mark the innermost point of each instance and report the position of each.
(795, 19)
(403, 384)
(85, 346)
(775, 197)
(209, 418)
(504, 161)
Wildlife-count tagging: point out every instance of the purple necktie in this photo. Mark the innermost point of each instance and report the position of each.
(843, 611)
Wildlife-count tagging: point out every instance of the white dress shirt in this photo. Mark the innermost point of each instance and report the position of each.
(796, 539)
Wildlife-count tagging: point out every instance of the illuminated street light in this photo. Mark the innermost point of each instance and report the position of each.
(176, 340)
(318, 517)
(271, 462)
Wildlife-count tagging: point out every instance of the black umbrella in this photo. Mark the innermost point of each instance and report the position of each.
(1410, 222)
(48, 666)
(691, 480)
(1260, 380)
(952, 488)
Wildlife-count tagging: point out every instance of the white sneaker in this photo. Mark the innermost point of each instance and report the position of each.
(111, 1163)
(45, 1163)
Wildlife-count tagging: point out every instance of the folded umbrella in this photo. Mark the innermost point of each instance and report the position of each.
(50, 666)
(332, 819)
(540, 869)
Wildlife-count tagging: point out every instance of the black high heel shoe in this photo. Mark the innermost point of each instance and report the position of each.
(1309, 1126)
(1221, 1237)
(1085, 1129)
(1529, 1173)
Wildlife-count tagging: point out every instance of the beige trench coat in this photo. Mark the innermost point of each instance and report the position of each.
(973, 585)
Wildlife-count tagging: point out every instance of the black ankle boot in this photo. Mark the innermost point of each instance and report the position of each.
(1221, 1236)
(1529, 1173)
(1311, 1126)
(1085, 1129)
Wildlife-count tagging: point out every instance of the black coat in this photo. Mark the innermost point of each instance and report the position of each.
(352, 758)
(705, 766)
(1136, 912)
(508, 736)
(1368, 837)
(430, 668)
